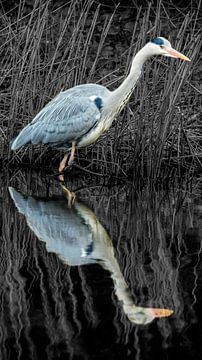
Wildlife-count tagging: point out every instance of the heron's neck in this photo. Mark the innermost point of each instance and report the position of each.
(120, 96)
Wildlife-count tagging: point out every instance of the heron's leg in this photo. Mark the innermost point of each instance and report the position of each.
(62, 164)
(71, 159)
(70, 195)
(64, 160)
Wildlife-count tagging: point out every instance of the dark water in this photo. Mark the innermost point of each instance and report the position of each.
(116, 276)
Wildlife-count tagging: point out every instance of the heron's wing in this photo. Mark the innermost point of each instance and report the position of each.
(68, 117)
(64, 119)
(60, 227)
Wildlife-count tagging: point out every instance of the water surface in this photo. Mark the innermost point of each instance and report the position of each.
(116, 276)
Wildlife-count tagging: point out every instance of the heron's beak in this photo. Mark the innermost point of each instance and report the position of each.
(176, 54)
(158, 313)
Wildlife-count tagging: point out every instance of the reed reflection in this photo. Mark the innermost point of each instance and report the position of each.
(78, 238)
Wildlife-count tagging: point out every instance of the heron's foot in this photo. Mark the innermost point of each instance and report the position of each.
(70, 195)
(61, 172)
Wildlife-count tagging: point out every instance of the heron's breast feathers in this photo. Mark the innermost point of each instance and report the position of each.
(92, 135)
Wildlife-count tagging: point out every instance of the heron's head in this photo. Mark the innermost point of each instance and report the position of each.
(161, 46)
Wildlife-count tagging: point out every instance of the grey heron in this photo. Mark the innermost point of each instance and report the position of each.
(78, 238)
(78, 116)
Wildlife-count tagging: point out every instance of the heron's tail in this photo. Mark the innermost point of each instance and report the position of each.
(23, 138)
(19, 200)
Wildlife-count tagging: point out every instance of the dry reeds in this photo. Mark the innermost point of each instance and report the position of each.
(47, 48)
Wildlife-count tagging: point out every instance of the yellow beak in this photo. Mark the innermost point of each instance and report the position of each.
(158, 313)
(176, 54)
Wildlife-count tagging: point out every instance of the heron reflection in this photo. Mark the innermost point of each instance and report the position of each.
(77, 237)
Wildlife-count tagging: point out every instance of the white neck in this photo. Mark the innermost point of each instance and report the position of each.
(119, 97)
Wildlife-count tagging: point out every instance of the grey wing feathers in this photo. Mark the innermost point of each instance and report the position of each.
(69, 116)
(53, 222)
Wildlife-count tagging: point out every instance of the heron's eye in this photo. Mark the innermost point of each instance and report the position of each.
(161, 46)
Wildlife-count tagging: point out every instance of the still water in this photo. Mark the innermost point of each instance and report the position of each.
(116, 276)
